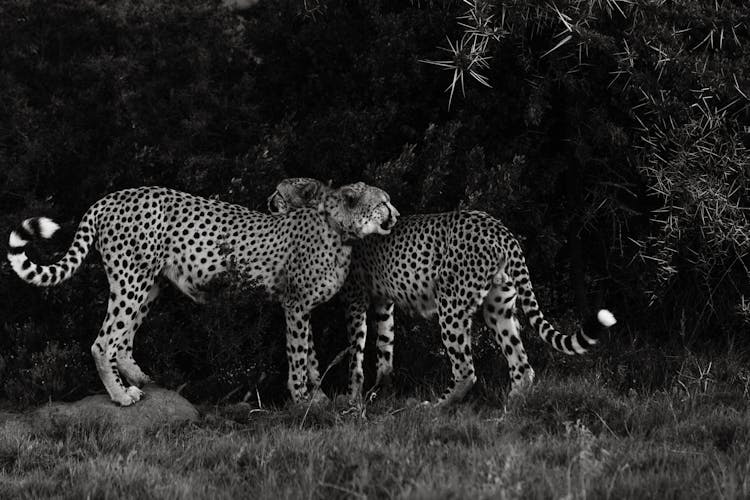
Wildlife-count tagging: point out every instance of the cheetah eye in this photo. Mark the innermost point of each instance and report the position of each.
(350, 199)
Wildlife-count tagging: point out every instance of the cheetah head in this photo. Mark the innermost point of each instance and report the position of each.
(357, 210)
(297, 192)
(354, 209)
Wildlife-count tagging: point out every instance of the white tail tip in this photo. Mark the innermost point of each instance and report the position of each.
(47, 227)
(15, 240)
(606, 318)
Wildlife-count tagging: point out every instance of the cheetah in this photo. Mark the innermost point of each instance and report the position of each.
(148, 236)
(445, 264)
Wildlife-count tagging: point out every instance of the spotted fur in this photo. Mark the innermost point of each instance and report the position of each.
(449, 265)
(152, 235)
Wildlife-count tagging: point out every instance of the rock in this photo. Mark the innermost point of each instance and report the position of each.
(159, 407)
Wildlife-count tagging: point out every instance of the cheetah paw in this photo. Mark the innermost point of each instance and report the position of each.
(134, 393)
(522, 386)
(123, 400)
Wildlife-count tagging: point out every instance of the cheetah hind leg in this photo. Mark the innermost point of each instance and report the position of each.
(125, 362)
(499, 308)
(456, 336)
(521, 386)
(106, 349)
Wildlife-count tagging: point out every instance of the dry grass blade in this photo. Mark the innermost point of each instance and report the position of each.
(341, 489)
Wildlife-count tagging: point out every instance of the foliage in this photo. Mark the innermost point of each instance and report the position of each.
(685, 92)
(607, 134)
(226, 348)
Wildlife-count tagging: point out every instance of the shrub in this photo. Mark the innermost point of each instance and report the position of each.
(613, 148)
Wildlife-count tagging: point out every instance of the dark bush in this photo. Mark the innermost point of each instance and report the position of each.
(613, 147)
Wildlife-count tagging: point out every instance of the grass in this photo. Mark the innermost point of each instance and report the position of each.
(570, 437)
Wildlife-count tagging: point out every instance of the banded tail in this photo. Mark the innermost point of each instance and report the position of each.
(579, 342)
(53, 274)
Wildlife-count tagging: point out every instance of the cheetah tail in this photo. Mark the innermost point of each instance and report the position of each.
(579, 342)
(53, 274)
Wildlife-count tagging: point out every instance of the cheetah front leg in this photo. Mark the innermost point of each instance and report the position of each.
(356, 321)
(313, 367)
(297, 329)
(313, 371)
(384, 320)
(499, 307)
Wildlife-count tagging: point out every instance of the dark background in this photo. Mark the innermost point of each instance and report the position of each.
(618, 159)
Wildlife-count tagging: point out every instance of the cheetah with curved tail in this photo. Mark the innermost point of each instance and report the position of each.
(152, 235)
(446, 264)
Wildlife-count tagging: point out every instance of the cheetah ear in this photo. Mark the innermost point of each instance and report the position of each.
(309, 191)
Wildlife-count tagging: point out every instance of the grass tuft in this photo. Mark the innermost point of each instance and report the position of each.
(571, 436)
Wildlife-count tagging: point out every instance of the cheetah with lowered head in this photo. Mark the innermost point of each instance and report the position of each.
(447, 264)
(149, 235)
